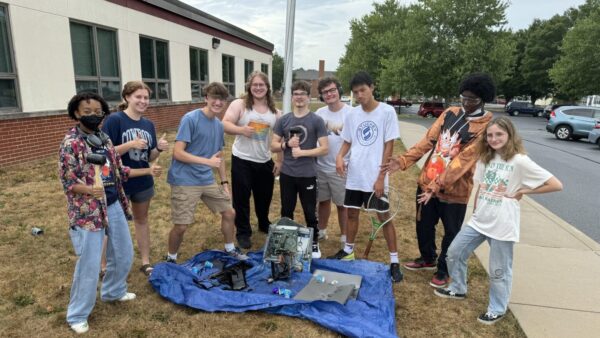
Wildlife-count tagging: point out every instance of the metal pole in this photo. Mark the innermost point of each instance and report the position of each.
(289, 55)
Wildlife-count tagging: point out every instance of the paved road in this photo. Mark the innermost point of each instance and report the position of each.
(575, 163)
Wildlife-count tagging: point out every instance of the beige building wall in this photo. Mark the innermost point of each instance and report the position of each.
(43, 56)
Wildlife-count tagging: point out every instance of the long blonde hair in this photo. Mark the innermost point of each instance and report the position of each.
(249, 99)
(513, 146)
(128, 89)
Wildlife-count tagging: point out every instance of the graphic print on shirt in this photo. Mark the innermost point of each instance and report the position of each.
(495, 182)
(134, 134)
(108, 179)
(300, 131)
(366, 133)
(261, 130)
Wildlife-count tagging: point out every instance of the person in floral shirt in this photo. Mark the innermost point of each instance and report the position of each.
(94, 211)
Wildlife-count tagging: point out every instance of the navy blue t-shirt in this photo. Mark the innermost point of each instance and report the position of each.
(108, 177)
(122, 129)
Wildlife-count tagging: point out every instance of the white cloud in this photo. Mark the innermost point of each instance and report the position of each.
(322, 27)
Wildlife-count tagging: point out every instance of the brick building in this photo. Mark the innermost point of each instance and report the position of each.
(49, 50)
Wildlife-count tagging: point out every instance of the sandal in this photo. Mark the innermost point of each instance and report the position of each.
(147, 269)
(102, 273)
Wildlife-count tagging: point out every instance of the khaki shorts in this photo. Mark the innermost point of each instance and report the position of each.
(331, 186)
(184, 200)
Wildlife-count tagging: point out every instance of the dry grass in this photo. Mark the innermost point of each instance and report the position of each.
(36, 273)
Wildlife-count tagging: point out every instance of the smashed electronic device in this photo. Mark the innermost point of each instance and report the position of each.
(288, 248)
(331, 286)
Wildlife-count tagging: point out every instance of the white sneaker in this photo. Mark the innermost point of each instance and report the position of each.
(316, 252)
(323, 234)
(79, 328)
(127, 297)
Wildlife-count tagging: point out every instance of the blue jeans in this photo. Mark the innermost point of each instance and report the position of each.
(501, 258)
(119, 257)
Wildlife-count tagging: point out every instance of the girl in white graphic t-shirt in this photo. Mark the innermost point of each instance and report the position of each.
(503, 175)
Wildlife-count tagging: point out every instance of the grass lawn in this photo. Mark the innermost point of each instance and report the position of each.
(37, 272)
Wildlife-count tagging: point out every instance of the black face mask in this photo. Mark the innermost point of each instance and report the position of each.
(91, 121)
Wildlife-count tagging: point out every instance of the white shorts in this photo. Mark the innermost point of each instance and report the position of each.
(331, 187)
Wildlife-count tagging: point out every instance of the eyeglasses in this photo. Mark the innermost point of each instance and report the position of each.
(298, 94)
(258, 85)
(471, 100)
(329, 91)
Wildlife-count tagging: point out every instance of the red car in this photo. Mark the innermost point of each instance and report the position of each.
(431, 109)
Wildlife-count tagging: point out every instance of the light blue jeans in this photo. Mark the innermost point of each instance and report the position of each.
(501, 258)
(119, 257)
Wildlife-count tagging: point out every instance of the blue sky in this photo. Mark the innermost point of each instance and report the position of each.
(322, 27)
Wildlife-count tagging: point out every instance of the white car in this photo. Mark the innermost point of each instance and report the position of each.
(345, 99)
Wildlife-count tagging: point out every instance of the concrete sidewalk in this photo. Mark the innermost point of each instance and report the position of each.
(556, 269)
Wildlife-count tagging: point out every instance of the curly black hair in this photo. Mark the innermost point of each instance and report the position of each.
(85, 96)
(361, 78)
(480, 84)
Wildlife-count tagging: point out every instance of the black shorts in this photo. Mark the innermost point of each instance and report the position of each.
(142, 196)
(360, 200)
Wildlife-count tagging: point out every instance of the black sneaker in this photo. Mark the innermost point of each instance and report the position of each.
(316, 252)
(170, 260)
(342, 255)
(489, 318)
(397, 275)
(244, 242)
(446, 293)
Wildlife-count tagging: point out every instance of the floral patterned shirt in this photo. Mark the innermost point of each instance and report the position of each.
(85, 210)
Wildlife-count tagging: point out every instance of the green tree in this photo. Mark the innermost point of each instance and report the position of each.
(443, 40)
(577, 71)
(542, 49)
(277, 76)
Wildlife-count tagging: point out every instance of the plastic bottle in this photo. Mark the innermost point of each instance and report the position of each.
(208, 265)
(282, 291)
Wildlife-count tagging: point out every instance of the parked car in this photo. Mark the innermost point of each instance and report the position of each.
(431, 109)
(594, 135)
(399, 102)
(514, 108)
(573, 122)
(551, 107)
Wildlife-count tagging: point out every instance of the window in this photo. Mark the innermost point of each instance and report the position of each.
(581, 112)
(264, 68)
(8, 77)
(154, 56)
(96, 60)
(229, 73)
(198, 72)
(248, 68)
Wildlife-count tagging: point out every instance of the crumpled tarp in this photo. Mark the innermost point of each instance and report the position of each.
(370, 315)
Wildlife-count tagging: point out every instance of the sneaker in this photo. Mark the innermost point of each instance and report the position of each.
(244, 242)
(316, 252)
(342, 255)
(79, 328)
(237, 253)
(446, 293)
(420, 264)
(323, 234)
(127, 297)
(439, 280)
(489, 318)
(170, 260)
(397, 275)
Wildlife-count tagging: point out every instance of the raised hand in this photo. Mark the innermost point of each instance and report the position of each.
(215, 160)
(162, 144)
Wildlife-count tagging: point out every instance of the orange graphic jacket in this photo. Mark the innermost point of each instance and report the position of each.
(448, 173)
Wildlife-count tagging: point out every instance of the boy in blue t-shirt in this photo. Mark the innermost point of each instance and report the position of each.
(198, 149)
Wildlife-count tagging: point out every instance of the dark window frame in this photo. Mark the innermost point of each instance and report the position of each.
(13, 74)
(154, 82)
(230, 84)
(248, 68)
(264, 67)
(200, 83)
(98, 78)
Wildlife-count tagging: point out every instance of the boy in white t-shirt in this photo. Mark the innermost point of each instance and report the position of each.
(369, 133)
(331, 186)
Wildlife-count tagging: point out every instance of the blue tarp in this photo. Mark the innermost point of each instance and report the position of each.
(370, 315)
